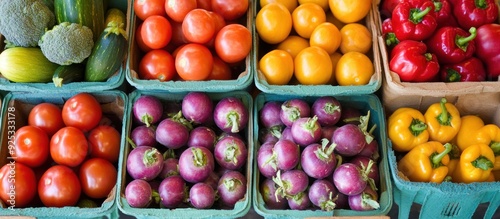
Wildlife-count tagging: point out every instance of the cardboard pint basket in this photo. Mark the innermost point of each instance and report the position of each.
(15, 110)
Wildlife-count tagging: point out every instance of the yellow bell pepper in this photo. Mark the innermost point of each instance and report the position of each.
(491, 135)
(443, 121)
(407, 129)
(476, 164)
(467, 133)
(426, 162)
(454, 159)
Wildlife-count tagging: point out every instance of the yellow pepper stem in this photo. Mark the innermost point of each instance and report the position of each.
(495, 146)
(444, 117)
(482, 163)
(437, 157)
(417, 127)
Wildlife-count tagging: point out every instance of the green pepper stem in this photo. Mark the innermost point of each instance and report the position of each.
(417, 127)
(463, 41)
(437, 6)
(495, 146)
(480, 4)
(482, 163)
(452, 75)
(417, 15)
(443, 117)
(436, 158)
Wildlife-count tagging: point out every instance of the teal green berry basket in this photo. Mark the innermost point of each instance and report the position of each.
(361, 102)
(242, 72)
(240, 209)
(15, 110)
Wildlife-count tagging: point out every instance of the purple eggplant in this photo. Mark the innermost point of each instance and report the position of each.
(232, 188)
(231, 152)
(173, 191)
(201, 196)
(197, 107)
(231, 115)
(306, 130)
(196, 164)
(323, 194)
(269, 114)
(318, 161)
(138, 193)
(144, 162)
(294, 109)
(147, 110)
(268, 190)
(328, 110)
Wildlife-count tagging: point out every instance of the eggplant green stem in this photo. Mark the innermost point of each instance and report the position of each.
(149, 156)
(436, 158)
(230, 154)
(329, 205)
(367, 199)
(199, 157)
(325, 151)
(131, 142)
(364, 173)
(233, 121)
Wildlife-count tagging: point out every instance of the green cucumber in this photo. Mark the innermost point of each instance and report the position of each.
(89, 13)
(68, 73)
(108, 54)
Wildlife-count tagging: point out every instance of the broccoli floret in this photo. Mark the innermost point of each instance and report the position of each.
(67, 43)
(23, 22)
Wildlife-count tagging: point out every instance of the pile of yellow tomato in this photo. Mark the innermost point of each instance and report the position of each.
(315, 42)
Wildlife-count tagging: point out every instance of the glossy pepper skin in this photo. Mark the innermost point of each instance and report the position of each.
(426, 162)
(388, 33)
(444, 14)
(471, 69)
(411, 61)
(454, 156)
(487, 47)
(490, 135)
(443, 121)
(474, 13)
(452, 44)
(407, 129)
(387, 6)
(414, 20)
(466, 135)
(475, 165)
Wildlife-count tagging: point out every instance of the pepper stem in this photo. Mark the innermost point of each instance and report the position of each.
(437, 6)
(444, 117)
(480, 4)
(417, 15)
(417, 127)
(495, 146)
(452, 75)
(436, 158)
(482, 163)
(462, 42)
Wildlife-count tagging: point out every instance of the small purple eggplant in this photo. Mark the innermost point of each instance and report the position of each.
(294, 109)
(267, 190)
(328, 110)
(231, 115)
(202, 136)
(318, 161)
(266, 162)
(269, 114)
(232, 188)
(197, 107)
(144, 162)
(173, 191)
(299, 202)
(138, 193)
(196, 164)
(306, 130)
(144, 136)
(290, 183)
(323, 194)
(231, 152)
(147, 110)
(201, 196)
(364, 201)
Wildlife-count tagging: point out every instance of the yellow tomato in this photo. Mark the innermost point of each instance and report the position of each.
(332, 19)
(326, 36)
(293, 44)
(313, 66)
(273, 23)
(277, 67)
(354, 68)
(322, 3)
(306, 17)
(355, 38)
(350, 11)
(335, 57)
(290, 4)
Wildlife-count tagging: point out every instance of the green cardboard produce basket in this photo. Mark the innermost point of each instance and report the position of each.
(362, 102)
(115, 81)
(240, 209)
(260, 48)
(242, 72)
(16, 107)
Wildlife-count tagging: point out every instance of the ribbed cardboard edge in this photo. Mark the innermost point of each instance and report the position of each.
(108, 208)
(243, 81)
(317, 90)
(240, 209)
(396, 94)
(363, 102)
(115, 81)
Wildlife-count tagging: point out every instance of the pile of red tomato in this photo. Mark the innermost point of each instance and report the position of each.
(63, 155)
(191, 40)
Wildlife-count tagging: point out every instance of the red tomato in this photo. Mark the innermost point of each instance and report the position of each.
(205, 4)
(157, 64)
(105, 143)
(59, 186)
(31, 146)
(17, 184)
(177, 9)
(46, 116)
(139, 40)
(220, 70)
(233, 43)
(198, 26)
(177, 35)
(97, 177)
(146, 8)
(194, 62)
(230, 9)
(156, 32)
(69, 146)
(82, 111)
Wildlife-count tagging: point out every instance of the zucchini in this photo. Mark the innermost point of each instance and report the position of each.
(68, 73)
(26, 65)
(107, 55)
(116, 15)
(89, 13)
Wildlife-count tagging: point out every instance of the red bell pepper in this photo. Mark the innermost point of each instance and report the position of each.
(411, 61)
(444, 14)
(452, 44)
(414, 20)
(488, 49)
(471, 69)
(388, 33)
(387, 6)
(474, 13)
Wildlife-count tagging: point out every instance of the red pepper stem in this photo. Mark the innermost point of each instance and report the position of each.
(480, 4)
(436, 159)
(443, 117)
(452, 75)
(417, 15)
(437, 5)
(463, 41)
(428, 56)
